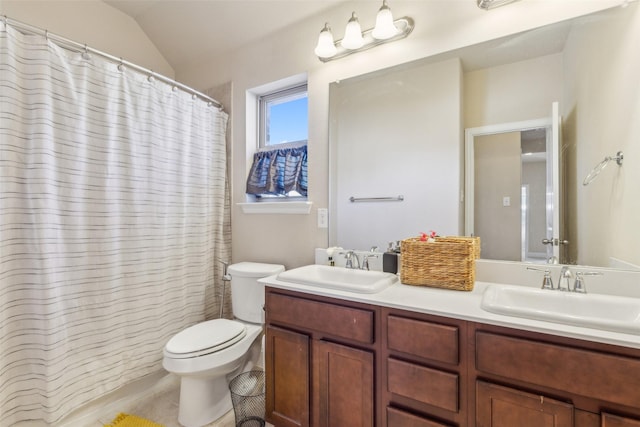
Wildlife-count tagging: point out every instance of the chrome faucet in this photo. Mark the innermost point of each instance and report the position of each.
(563, 280)
(350, 256)
(579, 285)
(365, 260)
(547, 282)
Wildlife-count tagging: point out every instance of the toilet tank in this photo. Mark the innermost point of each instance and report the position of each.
(247, 295)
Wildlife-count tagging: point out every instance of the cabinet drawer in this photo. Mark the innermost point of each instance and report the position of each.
(609, 420)
(397, 418)
(339, 321)
(426, 385)
(424, 339)
(581, 372)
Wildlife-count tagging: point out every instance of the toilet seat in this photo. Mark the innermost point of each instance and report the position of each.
(205, 338)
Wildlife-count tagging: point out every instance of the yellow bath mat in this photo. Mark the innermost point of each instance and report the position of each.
(126, 420)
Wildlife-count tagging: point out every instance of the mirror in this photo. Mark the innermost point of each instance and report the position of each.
(511, 178)
(399, 132)
(387, 184)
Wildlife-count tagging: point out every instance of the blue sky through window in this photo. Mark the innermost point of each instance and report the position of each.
(288, 121)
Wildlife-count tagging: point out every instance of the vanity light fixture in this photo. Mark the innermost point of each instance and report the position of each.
(491, 4)
(352, 34)
(355, 40)
(384, 29)
(326, 47)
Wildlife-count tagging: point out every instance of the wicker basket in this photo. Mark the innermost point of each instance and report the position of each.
(447, 263)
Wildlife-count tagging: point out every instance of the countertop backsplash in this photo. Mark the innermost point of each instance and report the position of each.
(611, 281)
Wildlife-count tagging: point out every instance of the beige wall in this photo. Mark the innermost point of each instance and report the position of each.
(497, 175)
(602, 111)
(513, 92)
(92, 22)
(503, 94)
(440, 26)
(534, 176)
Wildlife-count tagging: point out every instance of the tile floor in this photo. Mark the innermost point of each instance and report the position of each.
(155, 398)
(159, 403)
(162, 408)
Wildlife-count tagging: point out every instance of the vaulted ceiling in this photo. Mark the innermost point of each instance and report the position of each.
(190, 31)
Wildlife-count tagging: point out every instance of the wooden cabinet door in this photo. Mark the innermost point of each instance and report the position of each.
(343, 386)
(399, 418)
(287, 359)
(609, 420)
(498, 406)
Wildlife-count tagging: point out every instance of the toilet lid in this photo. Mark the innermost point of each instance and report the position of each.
(206, 337)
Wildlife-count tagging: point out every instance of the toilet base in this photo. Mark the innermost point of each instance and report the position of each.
(203, 401)
(205, 398)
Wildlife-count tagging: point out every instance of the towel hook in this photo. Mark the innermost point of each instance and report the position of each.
(600, 166)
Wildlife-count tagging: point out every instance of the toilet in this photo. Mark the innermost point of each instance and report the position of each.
(209, 354)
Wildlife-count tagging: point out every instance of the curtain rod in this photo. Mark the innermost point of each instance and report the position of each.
(79, 47)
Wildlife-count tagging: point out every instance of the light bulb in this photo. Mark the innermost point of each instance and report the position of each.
(326, 47)
(385, 28)
(353, 34)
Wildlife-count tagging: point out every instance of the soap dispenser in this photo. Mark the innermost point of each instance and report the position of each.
(390, 259)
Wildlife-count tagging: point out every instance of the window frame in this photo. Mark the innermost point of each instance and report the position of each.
(287, 94)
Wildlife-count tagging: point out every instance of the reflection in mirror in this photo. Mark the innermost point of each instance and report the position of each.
(509, 172)
(590, 64)
(399, 134)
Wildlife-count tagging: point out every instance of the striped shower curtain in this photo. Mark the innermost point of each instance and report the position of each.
(112, 208)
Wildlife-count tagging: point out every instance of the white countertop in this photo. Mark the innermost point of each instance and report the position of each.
(459, 305)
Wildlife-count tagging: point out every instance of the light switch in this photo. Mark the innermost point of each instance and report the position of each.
(506, 201)
(323, 218)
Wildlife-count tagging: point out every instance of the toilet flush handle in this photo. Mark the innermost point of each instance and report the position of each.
(226, 277)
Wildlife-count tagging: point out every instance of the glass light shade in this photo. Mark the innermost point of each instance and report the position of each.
(326, 47)
(385, 28)
(353, 34)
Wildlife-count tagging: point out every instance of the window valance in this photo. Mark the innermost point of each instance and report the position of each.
(278, 171)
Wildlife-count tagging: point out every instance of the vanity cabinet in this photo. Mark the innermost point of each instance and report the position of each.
(331, 362)
(502, 406)
(609, 420)
(288, 356)
(555, 381)
(320, 361)
(344, 390)
(425, 364)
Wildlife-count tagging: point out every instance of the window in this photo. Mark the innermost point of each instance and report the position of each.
(279, 169)
(283, 117)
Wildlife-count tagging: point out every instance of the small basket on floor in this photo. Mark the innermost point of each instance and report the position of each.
(247, 396)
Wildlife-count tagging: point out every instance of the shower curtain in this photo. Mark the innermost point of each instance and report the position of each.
(112, 221)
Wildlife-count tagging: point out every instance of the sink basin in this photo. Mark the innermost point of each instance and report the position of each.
(345, 279)
(605, 312)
